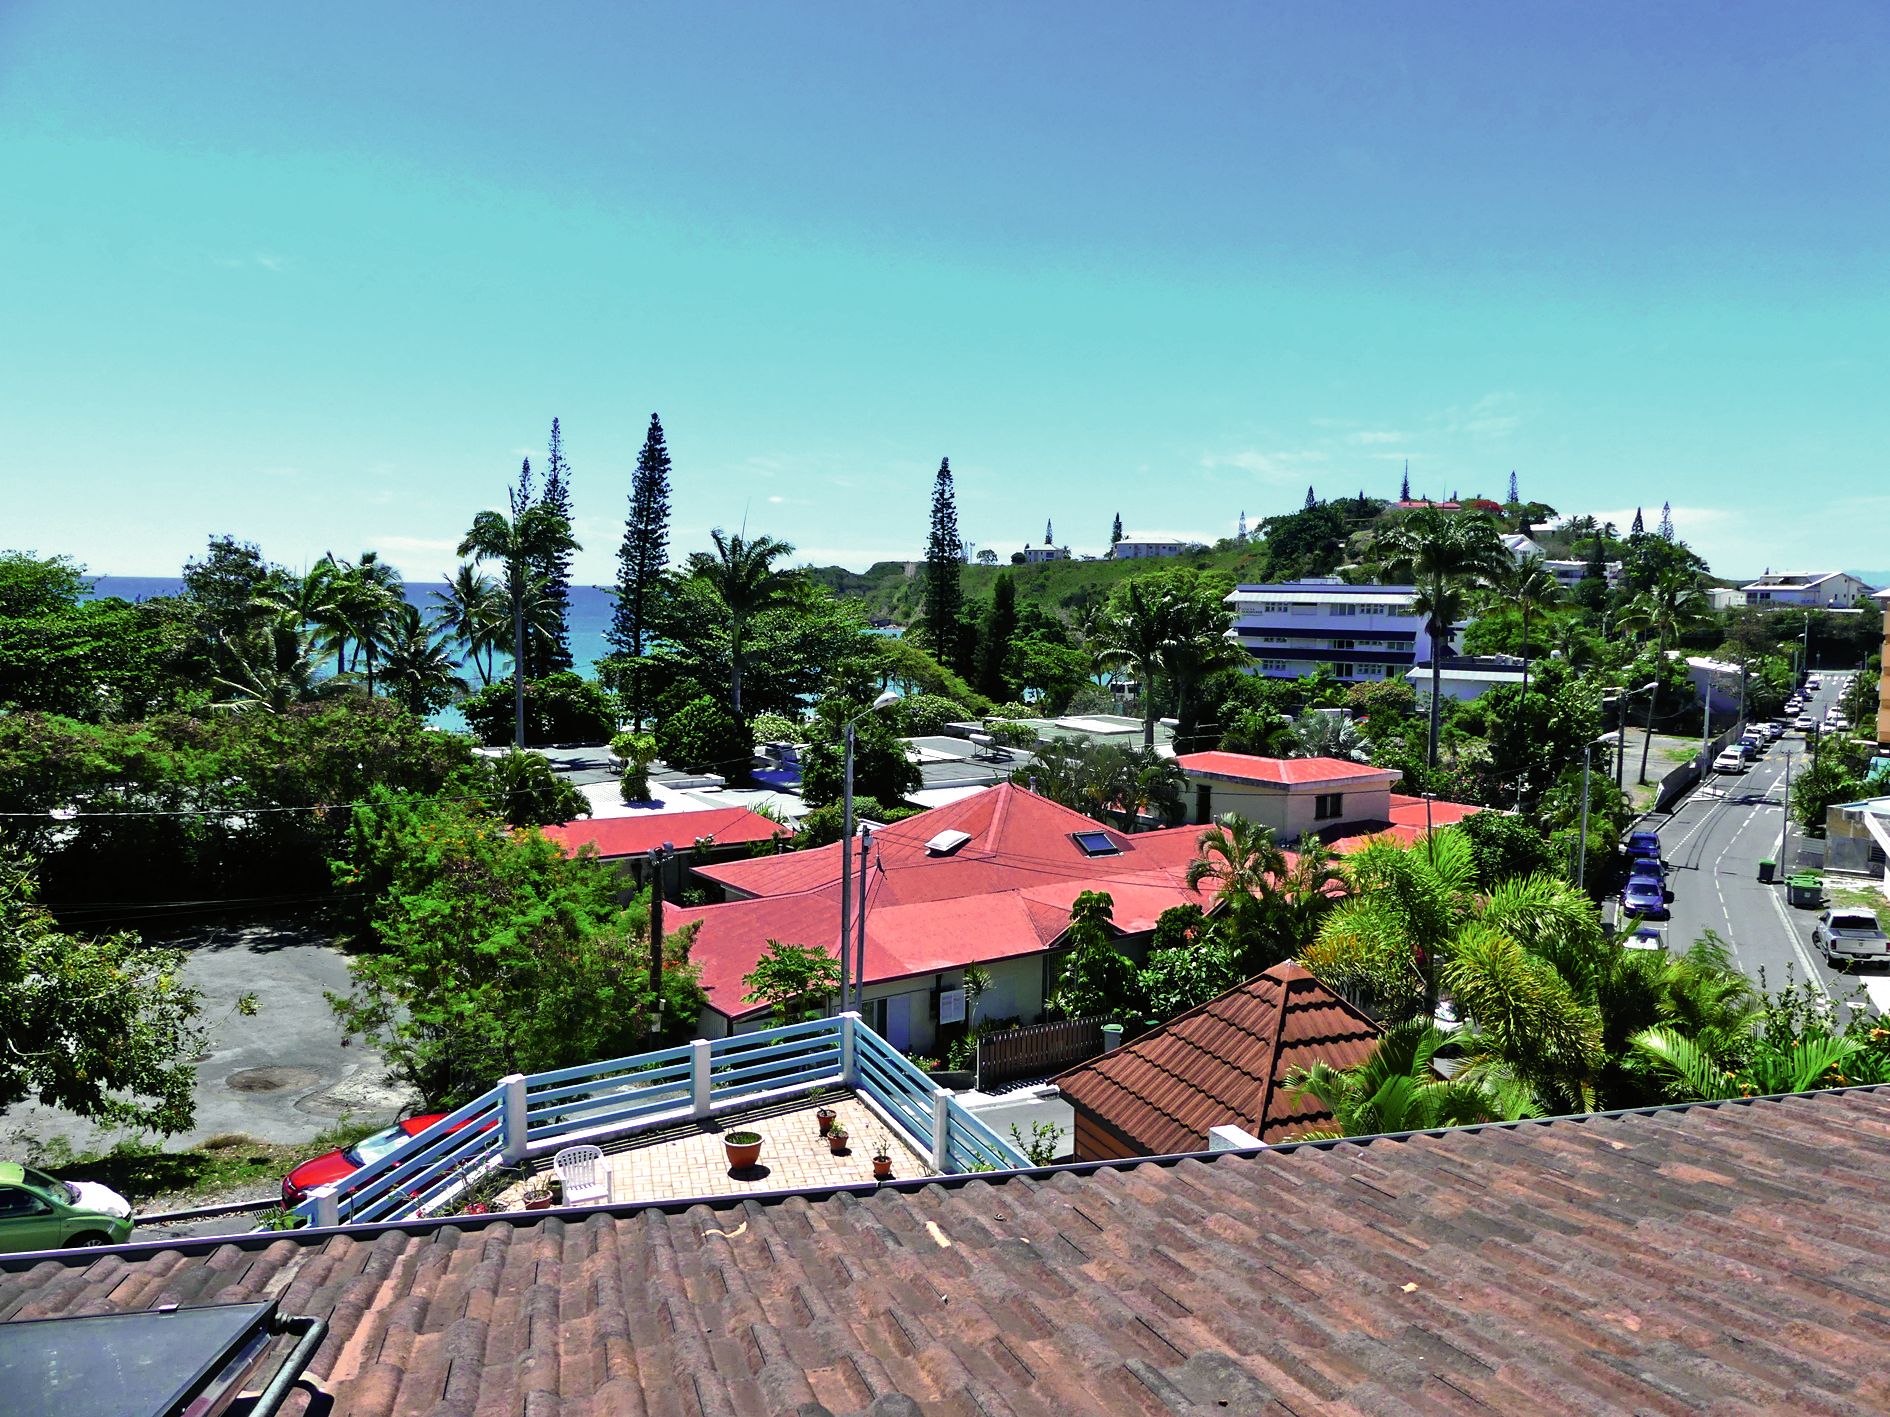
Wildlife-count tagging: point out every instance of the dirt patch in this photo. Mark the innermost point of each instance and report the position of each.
(271, 1079)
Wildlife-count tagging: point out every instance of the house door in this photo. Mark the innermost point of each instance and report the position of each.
(1203, 804)
(899, 1020)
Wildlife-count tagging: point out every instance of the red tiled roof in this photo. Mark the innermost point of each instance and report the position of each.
(1224, 1064)
(1406, 827)
(1280, 772)
(1724, 1257)
(639, 835)
(1005, 892)
(1411, 812)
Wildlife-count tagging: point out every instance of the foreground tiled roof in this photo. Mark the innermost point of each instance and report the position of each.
(1224, 1064)
(639, 835)
(1730, 1258)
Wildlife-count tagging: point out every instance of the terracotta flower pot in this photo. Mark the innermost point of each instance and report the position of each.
(882, 1168)
(743, 1148)
(837, 1142)
(825, 1117)
(538, 1203)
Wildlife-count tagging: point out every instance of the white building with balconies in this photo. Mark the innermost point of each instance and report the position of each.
(1361, 633)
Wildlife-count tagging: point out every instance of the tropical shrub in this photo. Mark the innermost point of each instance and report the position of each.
(706, 736)
(560, 708)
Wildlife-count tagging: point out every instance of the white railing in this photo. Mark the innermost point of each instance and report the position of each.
(522, 1117)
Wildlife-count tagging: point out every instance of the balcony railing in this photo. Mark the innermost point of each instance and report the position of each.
(521, 1117)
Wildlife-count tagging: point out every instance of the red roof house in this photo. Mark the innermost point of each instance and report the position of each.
(1342, 803)
(986, 879)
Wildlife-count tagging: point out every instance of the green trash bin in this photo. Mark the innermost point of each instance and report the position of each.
(1768, 870)
(1804, 891)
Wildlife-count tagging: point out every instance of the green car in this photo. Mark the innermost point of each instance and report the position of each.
(41, 1212)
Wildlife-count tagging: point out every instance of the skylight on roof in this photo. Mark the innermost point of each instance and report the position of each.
(1096, 843)
(946, 842)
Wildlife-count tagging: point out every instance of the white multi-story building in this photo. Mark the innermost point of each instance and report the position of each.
(1816, 589)
(1141, 548)
(1568, 574)
(1360, 632)
(1034, 554)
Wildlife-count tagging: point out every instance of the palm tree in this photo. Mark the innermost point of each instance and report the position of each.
(1326, 735)
(742, 575)
(277, 669)
(1399, 1089)
(1530, 584)
(1667, 609)
(472, 609)
(1135, 635)
(527, 539)
(419, 672)
(1696, 1072)
(1195, 645)
(1441, 553)
(1310, 887)
(1246, 864)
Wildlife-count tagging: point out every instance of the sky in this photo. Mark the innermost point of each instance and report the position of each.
(320, 276)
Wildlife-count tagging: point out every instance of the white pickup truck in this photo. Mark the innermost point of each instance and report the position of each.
(1851, 936)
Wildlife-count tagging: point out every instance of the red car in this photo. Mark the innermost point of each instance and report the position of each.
(332, 1166)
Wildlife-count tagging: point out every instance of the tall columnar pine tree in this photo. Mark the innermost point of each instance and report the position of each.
(1666, 521)
(1049, 537)
(1640, 524)
(1311, 500)
(550, 648)
(641, 561)
(944, 555)
(1514, 500)
(994, 639)
(1404, 488)
(1115, 532)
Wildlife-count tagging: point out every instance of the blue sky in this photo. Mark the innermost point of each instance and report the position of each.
(320, 275)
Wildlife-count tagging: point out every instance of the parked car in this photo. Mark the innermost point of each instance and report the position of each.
(1645, 937)
(1651, 871)
(1775, 730)
(1805, 723)
(1813, 682)
(332, 1166)
(42, 1212)
(1645, 898)
(1851, 936)
(1732, 760)
(1750, 747)
(1643, 844)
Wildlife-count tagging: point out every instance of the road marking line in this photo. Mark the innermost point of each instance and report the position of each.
(1798, 944)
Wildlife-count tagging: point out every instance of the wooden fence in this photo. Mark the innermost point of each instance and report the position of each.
(1037, 1049)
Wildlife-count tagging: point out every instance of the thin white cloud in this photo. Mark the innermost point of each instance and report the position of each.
(1282, 465)
(1370, 437)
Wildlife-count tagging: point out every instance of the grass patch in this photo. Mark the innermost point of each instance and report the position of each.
(1862, 897)
(143, 1171)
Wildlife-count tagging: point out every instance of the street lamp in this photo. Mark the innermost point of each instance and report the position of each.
(1622, 695)
(851, 995)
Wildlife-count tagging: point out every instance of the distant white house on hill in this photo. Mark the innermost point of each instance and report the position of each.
(1034, 554)
(1135, 548)
(1821, 590)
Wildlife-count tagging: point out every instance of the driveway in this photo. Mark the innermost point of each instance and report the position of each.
(283, 1075)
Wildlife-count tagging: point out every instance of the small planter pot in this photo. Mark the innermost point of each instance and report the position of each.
(882, 1168)
(743, 1149)
(825, 1117)
(837, 1142)
(538, 1203)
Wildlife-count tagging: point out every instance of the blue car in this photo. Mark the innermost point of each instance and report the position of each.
(1644, 897)
(1643, 846)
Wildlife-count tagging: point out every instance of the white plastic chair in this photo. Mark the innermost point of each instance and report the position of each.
(581, 1168)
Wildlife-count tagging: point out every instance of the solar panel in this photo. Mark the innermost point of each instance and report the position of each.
(128, 1364)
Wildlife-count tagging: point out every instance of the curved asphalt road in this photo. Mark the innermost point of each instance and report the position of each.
(1713, 845)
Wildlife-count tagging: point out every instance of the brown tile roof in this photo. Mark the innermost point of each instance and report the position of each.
(1224, 1063)
(1724, 1258)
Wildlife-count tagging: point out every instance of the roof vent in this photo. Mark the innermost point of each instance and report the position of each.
(1097, 843)
(946, 842)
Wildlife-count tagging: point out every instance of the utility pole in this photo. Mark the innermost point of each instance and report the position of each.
(859, 956)
(1620, 748)
(1581, 860)
(847, 999)
(1785, 825)
(659, 867)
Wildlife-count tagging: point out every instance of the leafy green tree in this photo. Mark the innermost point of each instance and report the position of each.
(1189, 963)
(103, 1027)
(1263, 733)
(928, 714)
(520, 543)
(704, 736)
(796, 982)
(527, 793)
(1443, 554)
(224, 586)
(1327, 735)
(1108, 782)
(1245, 864)
(1503, 845)
(995, 637)
(944, 560)
(1097, 978)
(642, 564)
(1308, 542)
(638, 751)
(560, 708)
(496, 953)
(881, 766)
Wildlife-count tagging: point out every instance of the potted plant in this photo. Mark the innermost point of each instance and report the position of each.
(882, 1160)
(743, 1148)
(556, 1183)
(837, 1138)
(825, 1116)
(538, 1196)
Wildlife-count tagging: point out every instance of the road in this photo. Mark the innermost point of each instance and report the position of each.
(1713, 845)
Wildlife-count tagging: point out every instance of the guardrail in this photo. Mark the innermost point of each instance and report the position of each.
(527, 1116)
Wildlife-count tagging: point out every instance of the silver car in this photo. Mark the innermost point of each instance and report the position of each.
(1848, 935)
